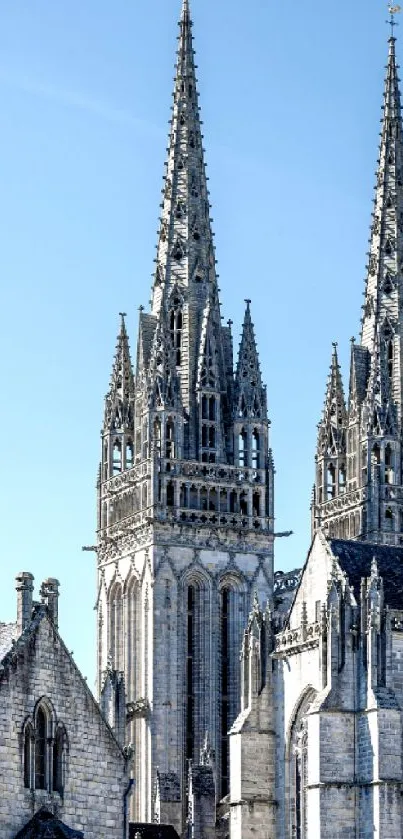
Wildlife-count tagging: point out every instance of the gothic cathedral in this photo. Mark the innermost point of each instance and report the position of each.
(185, 494)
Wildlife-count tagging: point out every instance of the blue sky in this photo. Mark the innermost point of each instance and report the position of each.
(291, 97)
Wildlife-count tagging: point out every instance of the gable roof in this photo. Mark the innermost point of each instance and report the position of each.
(355, 560)
(14, 645)
(8, 634)
(44, 825)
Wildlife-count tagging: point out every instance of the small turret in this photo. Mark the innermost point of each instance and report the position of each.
(331, 446)
(118, 426)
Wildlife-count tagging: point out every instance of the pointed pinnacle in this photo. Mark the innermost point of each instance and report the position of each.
(185, 14)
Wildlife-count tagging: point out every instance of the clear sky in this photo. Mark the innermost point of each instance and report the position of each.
(291, 96)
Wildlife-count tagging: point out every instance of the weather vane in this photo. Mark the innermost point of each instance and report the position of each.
(393, 10)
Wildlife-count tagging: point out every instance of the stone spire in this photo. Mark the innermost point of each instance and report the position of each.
(362, 467)
(381, 328)
(119, 401)
(250, 395)
(185, 252)
(332, 428)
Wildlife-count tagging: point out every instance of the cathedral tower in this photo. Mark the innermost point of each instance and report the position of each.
(358, 490)
(185, 492)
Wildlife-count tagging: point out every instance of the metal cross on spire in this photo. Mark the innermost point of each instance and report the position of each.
(393, 10)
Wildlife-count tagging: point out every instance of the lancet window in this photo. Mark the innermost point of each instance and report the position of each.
(389, 464)
(117, 457)
(116, 626)
(208, 428)
(176, 326)
(170, 439)
(255, 449)
(190, 669)
(330, 481)
(129, 454)
(225, 686)
(243, 448)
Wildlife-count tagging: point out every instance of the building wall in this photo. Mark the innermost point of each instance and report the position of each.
(95, 778)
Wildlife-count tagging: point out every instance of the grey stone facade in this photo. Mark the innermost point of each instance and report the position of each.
(186, 504)
(56, 750)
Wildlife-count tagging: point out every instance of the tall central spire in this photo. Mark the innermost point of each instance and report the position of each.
(185, 253)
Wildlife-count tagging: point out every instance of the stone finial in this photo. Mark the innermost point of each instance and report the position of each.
(49, 592)
(24, 587)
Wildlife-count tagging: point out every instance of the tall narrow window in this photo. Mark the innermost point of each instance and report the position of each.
(255, 449)
(116, 626)
(190, 666)
(28, 742)
(176, 323)
(58, 750)
(170, 440)
(157, 436)
(342, 479)
(225, 684)
(390, 360)
(389, 472)
(117, 457)
(330, 481)
(129, 454)
(170, 494)
(40, 749)
(243, 448)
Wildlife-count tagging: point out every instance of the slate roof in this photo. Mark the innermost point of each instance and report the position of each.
(355, 560)
(44, 825)
(8, 634)
(152, 831)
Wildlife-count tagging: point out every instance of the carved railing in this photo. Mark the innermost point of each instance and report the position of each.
(345, 501)
(293, 639)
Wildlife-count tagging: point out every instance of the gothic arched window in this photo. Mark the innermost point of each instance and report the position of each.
(59, 748)
(129, 454)
(190, 668)
(29, 739)
(116, 626)
(389, 464)
(342, 479)
(390, 359)
(330, 481)
(117, 457)
(170, 439)
(157, 436)
(243, 448)
(255, 449)
(176, 325)
(41, 737)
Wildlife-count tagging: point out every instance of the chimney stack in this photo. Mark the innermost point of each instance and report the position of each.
(25, 588)
(50, 597)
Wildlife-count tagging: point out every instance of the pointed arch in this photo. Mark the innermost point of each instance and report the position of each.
(297, 755)
(115, 610)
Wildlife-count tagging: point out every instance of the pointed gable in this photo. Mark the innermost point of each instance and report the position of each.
(119, 401)
(332, 428)
(250, 395)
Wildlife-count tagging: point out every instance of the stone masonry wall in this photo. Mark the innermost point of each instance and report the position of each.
(95, 778)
